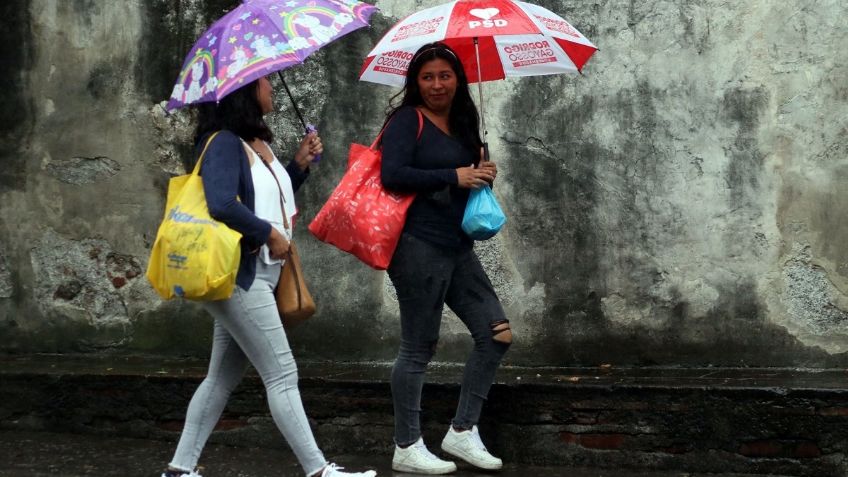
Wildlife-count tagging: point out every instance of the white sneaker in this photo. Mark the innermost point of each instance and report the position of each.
(467, 446)
(171, 473)
(332, 470)
(417, 459)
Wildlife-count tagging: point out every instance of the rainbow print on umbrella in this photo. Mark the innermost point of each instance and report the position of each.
(260, 37)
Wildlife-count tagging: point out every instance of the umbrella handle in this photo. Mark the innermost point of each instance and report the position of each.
(310, 128)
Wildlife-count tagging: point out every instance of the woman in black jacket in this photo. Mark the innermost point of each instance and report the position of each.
(434, 263)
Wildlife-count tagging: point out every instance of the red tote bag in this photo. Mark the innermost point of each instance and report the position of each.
(361, 217)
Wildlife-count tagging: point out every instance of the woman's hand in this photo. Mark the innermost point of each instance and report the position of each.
(277, 244)
(491, 167)
(310, 147)
(472, 178)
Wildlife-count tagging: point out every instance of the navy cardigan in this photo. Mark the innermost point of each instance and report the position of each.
(228, 186)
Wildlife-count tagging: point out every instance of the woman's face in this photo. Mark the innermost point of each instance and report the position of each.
(437, 83)
(265, 95)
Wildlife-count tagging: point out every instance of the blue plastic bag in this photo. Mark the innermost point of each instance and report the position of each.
(483, 215)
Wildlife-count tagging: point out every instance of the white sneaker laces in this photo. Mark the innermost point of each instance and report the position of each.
(424, 450)
(328, 471)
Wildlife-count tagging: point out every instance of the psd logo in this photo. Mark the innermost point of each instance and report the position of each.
(485, 15)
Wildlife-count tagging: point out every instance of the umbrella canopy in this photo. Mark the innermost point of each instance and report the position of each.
(513, 39)
(260, 37)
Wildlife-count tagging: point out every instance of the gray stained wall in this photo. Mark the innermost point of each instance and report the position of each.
(683, 203)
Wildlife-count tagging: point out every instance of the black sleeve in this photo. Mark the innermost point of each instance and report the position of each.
(220, 171)
(399, 144)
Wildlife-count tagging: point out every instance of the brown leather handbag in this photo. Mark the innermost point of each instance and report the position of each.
(294, 301)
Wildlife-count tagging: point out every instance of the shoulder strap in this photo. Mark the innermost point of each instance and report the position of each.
(417, 137)
(282, 199)
(290, 253)
(196, 169)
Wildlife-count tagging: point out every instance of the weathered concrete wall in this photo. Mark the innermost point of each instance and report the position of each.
(680, 204)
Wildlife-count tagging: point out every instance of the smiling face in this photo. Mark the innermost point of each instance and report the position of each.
(265, 95)
(437, 84)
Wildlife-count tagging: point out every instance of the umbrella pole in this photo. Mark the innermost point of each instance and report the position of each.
(296, 110)
(480, 93)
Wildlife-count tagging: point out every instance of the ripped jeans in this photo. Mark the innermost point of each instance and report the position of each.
(426, 277)
(248, 331)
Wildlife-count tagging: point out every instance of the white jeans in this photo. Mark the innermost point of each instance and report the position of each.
(248, 329)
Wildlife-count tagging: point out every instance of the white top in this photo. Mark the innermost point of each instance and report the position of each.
(267, 198)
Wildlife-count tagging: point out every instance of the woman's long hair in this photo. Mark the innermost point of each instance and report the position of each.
(464, 121)
(239, 112)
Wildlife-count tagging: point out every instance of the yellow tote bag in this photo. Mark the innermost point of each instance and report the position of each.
(194, 256)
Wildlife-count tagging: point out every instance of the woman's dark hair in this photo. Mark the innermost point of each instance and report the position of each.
(464, 120)
(239, 112)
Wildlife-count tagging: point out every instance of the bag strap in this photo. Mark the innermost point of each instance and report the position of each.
(417, 137)
(289, 254)
(282, 199)
(196, 169)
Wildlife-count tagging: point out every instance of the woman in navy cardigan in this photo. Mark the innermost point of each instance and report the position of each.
(249, 190)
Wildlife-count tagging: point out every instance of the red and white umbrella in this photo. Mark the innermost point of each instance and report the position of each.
(493, 39)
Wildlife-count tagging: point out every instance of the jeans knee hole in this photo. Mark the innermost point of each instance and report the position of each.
(501, 332)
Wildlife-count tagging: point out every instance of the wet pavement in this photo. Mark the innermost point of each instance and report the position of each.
(37, 454)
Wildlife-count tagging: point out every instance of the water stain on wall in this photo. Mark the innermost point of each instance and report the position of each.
(744, 108)
(578, 249)
(18, 52)
(554, 191)
(105, 80)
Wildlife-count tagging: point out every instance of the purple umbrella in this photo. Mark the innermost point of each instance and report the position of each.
(260, 37)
